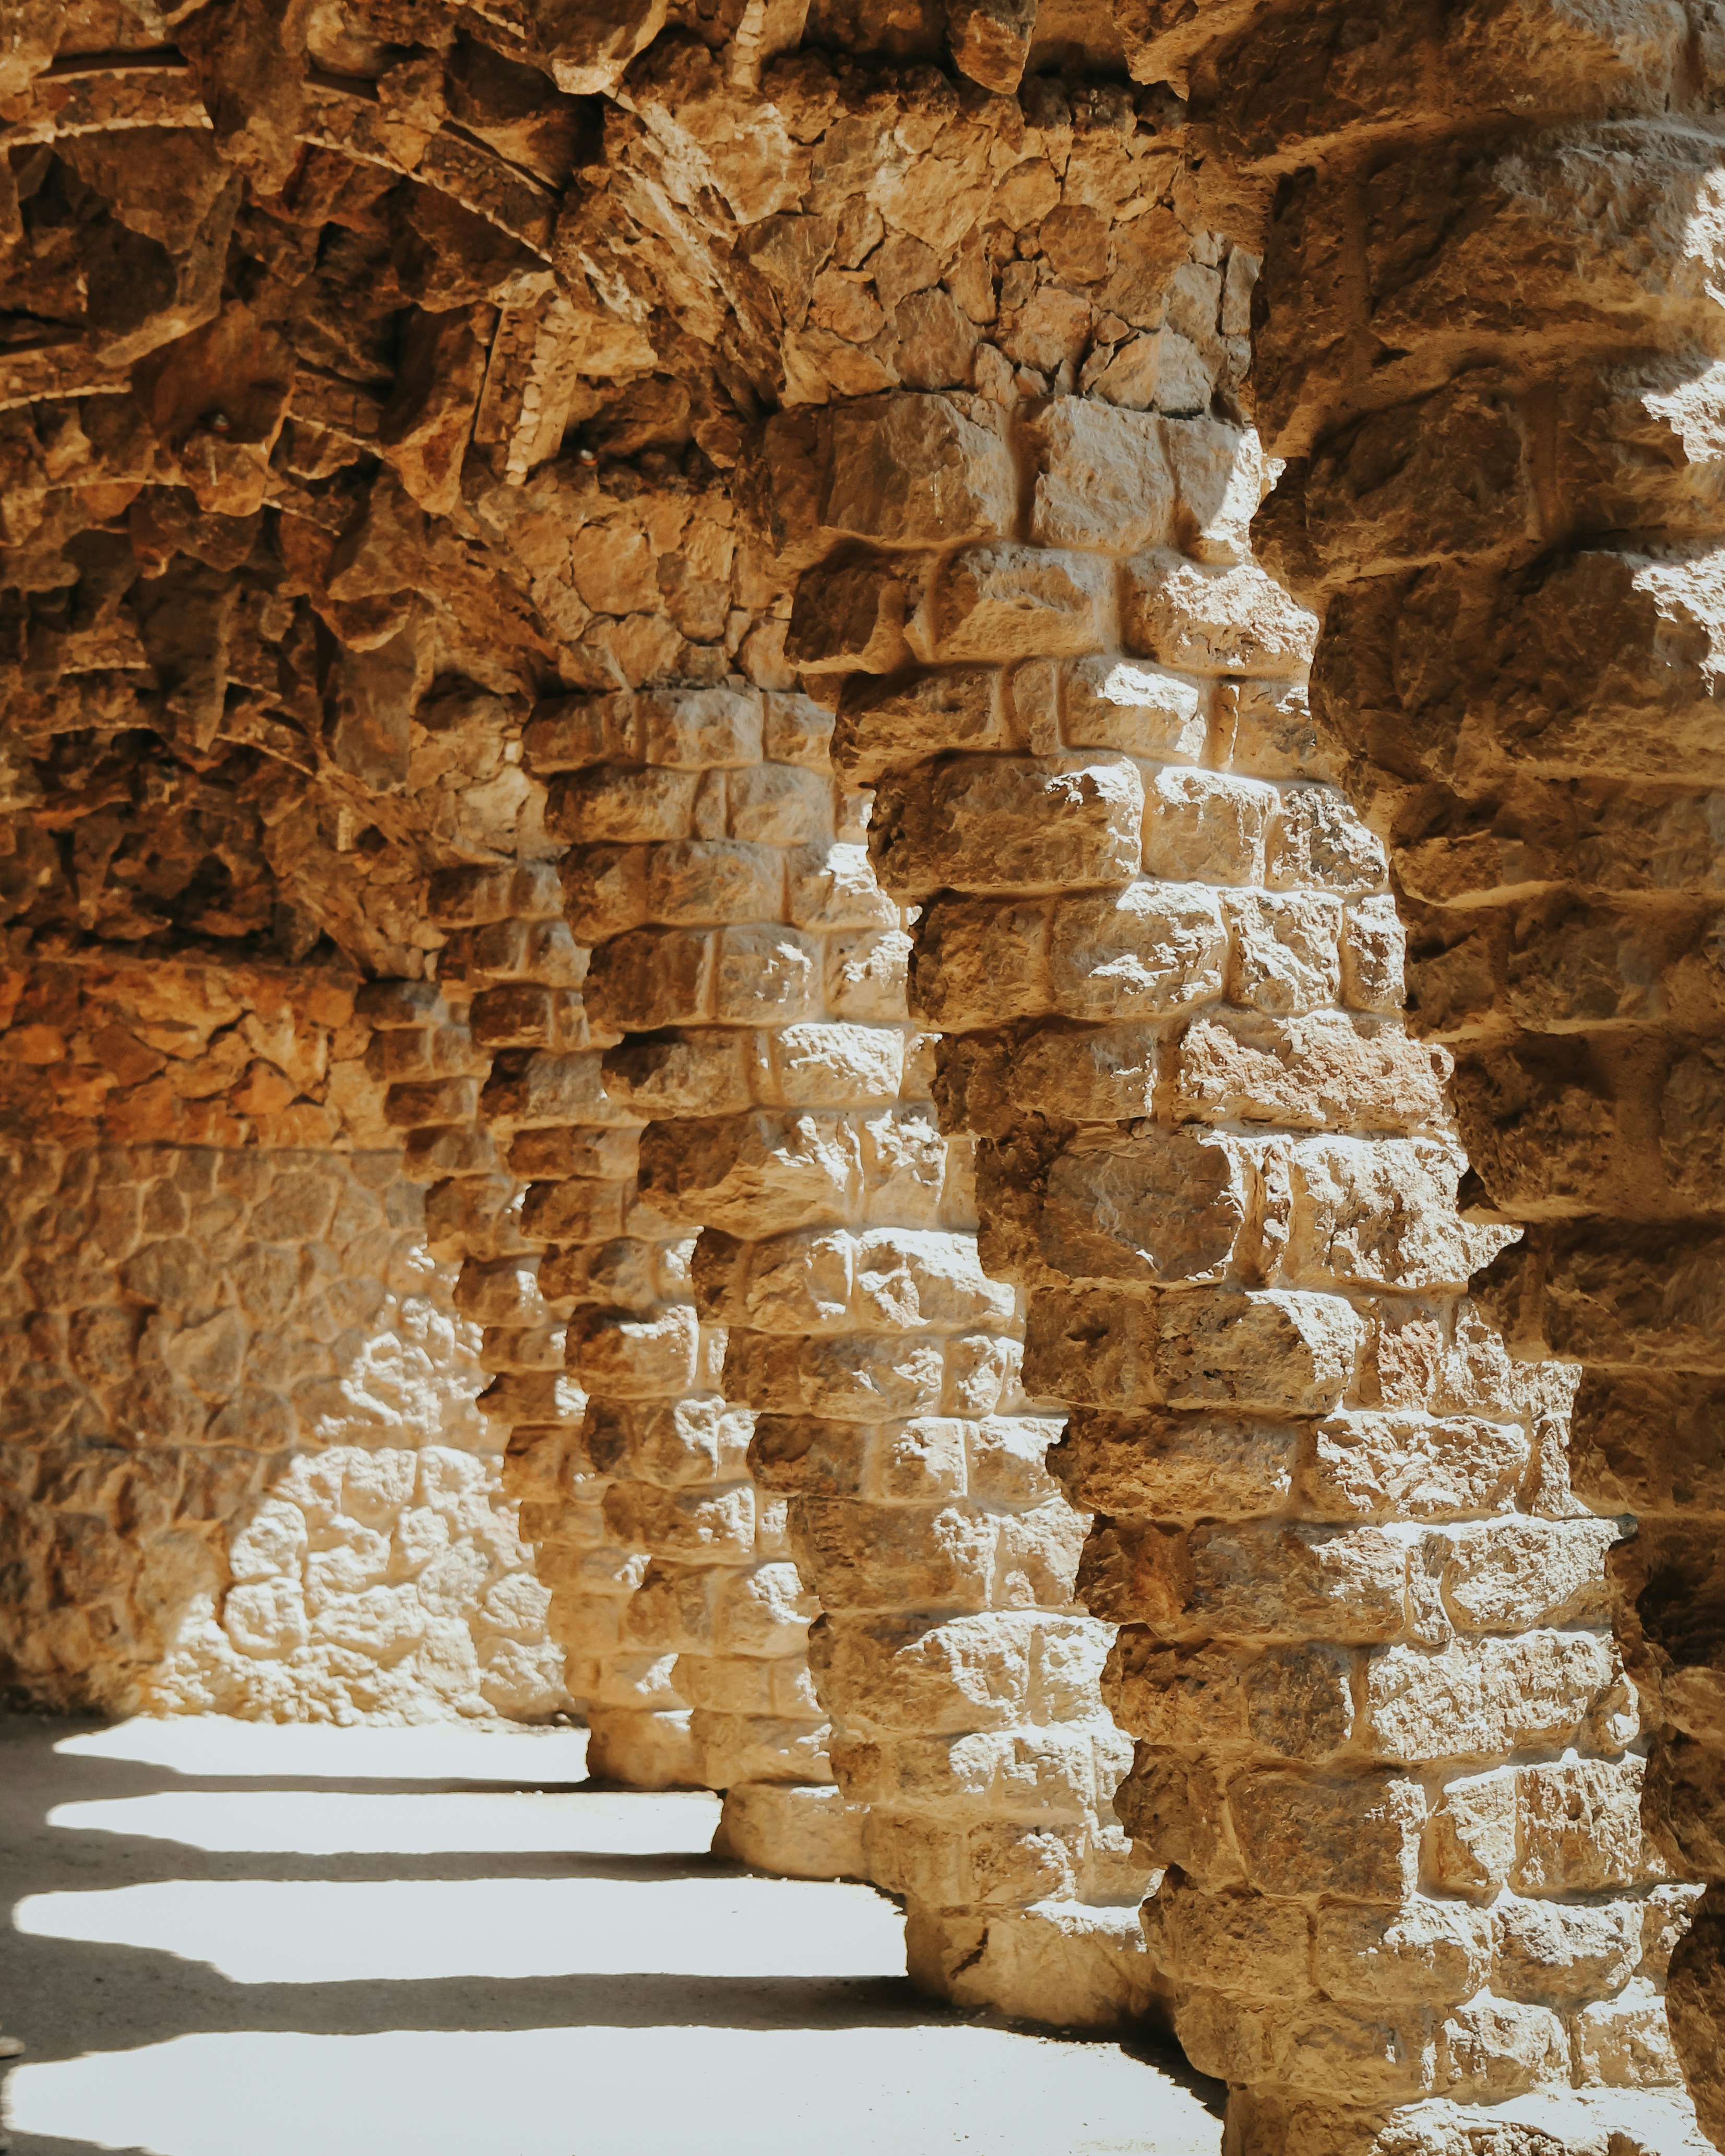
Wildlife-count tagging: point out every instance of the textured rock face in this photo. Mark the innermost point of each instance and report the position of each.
(244, 1470)
(658, 757)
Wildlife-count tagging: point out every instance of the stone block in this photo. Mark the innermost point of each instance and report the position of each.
(1162, 1466)
(1429, 1953)
(832, 887)
(698, 880)
(609, 802)
(1117, 703)
(623, 1357)
(1144, 952)
(1203, 620)
(884, 726)
(1379, 1212)
(1318, 842)
(1471, 1700)
(1286, 955)
(1102, 478)
(862, 1557)
(1003, 824)
(1005, 601)
(1102, 1075)
(753, 1174)
(1506, 1573)
(1321, 1068)
(707, 1072)
(697, 729)
(779, 804)
(834, 1066)
(1346, 1585)
(1202, 827)
(917, 470)
(795, 1830)
(1277, 1352)
(1549, 1951)
(1406, 1467)
(1156, 1208)
(1357, 1838)
(1093, 1348)
(1239, 1942)
(981, 963)
(1495, 2047)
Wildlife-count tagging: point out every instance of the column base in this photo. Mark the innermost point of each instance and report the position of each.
(1544, 2122)
(1063, 1964)
(799, 1830)
(644, 1751)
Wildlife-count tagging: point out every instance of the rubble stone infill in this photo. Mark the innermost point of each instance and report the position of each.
(242, 1468)
(1504, 495)
(1387, 1750)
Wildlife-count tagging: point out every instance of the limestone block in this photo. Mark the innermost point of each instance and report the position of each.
(1007, 822)
(910, 470)
(1472, 1699)
(1093, 1348)
(1625, 2043)
(1357, 1838)
(832, 887)
(1175, 1466)
(1378, 1214)
(883, 726)
(989, 1865)
(1365, 1467)
(615, 1354)
(1027, 1773)
(1103, 478)
(738, 1748)
(797, 1831)
(857, 1379)
(1200, 828)
(1557, 1950)
(651, 1751)
(1116, 703)
(1579, 1826)
(864, 1557)
(1510, 1573)
(705, 1072)
(1374, 951)
(1144, 952)
(1492, 2047)
(1161, 1208)
(1321, 1068)
(1220, 474)
(849, 617)
(697, 1526)
(951, 1674)
(779, 804)
(812, 1065)
(753, 1174)
(1428, 1953)
(1103, 1075)
(1162, 372)
(547, 1090)
(1277, 1352)
(978, 963)
(1319, 841)
(612, 803)
(1202, 620)
(1061, 1964)
(1347, 1585)
(1287, 956)
(1238, 1942)
(1007, 600)
(867, 976)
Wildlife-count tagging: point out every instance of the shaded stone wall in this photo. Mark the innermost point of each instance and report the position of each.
(244, 1471)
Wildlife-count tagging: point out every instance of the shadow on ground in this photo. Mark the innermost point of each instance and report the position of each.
(370, 1964)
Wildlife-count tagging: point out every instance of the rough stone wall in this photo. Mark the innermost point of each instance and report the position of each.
(1387, 1750)
(1502, 416)
(243, 1472)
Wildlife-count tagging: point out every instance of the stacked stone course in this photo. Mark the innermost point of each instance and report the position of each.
(1384, 1734)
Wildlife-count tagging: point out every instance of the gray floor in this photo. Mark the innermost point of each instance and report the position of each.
(227, 1940)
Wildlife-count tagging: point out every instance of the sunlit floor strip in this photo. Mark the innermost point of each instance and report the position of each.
(336, 1823)
(616, 2092)
(267, 1931)
(441, 1752)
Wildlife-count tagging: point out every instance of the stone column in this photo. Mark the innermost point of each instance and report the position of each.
(565, 1268)
(1489, 348)
(1384, 1731)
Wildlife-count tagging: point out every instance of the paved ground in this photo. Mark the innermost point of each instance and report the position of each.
(230, 1940)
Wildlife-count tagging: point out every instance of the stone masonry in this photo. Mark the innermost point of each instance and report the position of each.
(726, 721)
